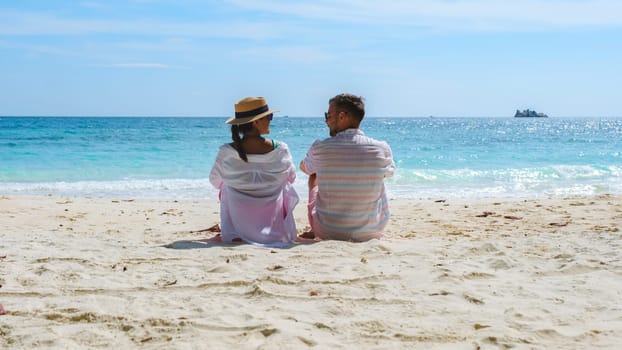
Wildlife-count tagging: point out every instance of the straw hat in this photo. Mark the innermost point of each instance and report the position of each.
(249, 109)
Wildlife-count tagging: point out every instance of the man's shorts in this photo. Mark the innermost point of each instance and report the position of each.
(323, 234)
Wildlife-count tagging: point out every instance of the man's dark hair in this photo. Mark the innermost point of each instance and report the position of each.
(354, 105)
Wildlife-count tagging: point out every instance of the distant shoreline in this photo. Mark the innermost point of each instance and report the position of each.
(318, 116)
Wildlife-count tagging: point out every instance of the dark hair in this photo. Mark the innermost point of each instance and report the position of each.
(236, 131)
(354, 105)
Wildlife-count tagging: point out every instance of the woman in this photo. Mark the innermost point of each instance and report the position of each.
(255, 176)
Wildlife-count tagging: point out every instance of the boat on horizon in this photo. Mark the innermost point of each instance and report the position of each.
(527, 113)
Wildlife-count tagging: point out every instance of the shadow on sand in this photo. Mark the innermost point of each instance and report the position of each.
(217, 241)
(208, 243)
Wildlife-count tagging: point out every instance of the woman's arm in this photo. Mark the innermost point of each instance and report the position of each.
(215, 175)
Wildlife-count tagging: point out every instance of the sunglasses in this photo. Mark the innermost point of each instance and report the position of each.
(326, 115)
(269, 116)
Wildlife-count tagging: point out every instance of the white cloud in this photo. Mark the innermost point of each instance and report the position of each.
(15, 23)
(452, 15)
(441, 15)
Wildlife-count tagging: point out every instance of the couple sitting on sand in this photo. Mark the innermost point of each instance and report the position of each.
(347, 199)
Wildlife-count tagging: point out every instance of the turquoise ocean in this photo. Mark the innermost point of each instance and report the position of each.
(436, 158)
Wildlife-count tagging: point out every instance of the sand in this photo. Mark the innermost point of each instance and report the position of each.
(449, 274)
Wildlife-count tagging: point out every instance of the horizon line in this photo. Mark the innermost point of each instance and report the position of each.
(300, 116)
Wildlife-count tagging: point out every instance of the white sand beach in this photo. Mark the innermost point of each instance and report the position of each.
(449, 274)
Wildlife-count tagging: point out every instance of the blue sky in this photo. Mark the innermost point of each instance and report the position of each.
(407, 58)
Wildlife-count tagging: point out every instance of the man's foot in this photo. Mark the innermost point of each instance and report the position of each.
(307, 233)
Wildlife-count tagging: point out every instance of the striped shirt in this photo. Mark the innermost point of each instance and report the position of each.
(351, 203)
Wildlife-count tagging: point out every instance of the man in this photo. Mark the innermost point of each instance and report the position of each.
(347, 198)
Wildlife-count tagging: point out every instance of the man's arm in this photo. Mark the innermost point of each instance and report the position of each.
(390, 169)
(307, 165)
(303, 168)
